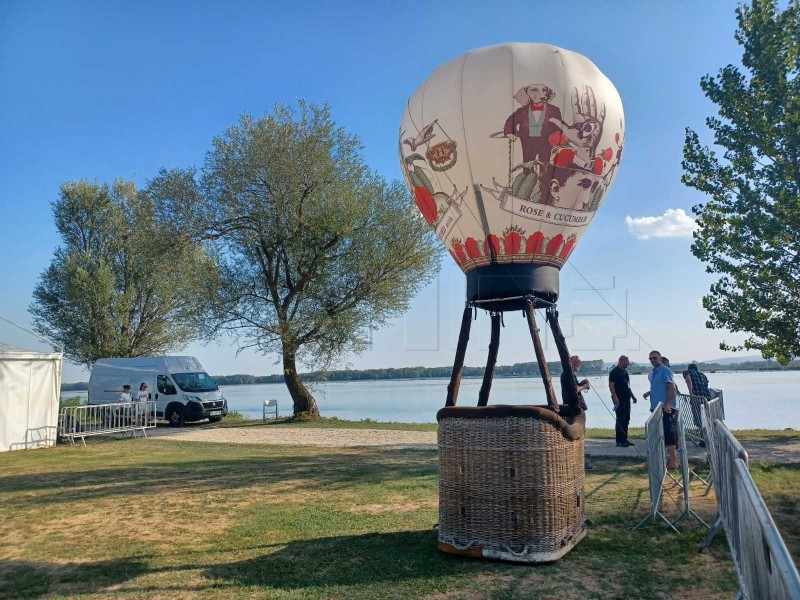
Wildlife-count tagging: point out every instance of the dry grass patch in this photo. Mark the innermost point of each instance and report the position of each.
(396, 504)
(234, 521)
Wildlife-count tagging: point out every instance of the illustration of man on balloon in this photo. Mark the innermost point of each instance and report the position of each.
(560, 165)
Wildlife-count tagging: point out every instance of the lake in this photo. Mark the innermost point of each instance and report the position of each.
(757, 400)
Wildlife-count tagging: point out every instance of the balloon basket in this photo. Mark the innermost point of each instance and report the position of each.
(511, 482)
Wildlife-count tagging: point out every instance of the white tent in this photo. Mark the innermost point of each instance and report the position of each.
(29, 391)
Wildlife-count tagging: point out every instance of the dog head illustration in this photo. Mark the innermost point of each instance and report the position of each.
(535, 93)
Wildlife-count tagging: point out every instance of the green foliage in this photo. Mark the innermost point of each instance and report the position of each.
(123, 284)
(73, 401)
(235, 415)
(750, 226)
(314, 249)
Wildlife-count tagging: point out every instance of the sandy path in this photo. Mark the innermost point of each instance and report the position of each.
(782, 452)
(339, 438)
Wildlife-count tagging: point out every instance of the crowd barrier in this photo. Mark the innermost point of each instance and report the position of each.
(656, 466)
(690, 415)
(687, 473)
(99, 419)
(717, 395)
(764, 567)
(690, 412)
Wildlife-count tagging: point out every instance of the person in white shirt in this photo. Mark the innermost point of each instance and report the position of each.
(141, 398)
(142, 395)
(125, 396)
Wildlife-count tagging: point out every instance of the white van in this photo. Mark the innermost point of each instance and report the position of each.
(182, 389)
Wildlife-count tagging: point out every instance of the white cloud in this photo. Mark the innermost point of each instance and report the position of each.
(673, 223)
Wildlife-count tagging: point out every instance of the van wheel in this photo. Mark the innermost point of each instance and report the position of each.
(214, 419)
(175, 417)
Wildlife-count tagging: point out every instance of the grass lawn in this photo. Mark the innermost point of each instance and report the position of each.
(167, 519)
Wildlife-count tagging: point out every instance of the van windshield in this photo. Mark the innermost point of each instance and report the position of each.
(195, 382)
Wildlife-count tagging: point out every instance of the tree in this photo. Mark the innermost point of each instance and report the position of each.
(123, 284)
(314, 249)
(749, 229)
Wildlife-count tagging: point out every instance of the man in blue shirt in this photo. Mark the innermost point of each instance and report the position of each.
(662, 390)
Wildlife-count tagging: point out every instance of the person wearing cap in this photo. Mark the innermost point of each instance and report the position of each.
(141, 398)
(142, 395)
(125, 396)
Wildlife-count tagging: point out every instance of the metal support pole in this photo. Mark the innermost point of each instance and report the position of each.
(461, 351)
(540, 359)
(488, 374)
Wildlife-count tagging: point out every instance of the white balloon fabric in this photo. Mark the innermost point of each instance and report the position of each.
(509, 151)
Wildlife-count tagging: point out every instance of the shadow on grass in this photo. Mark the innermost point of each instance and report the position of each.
(369, 559)
(332, 471)
(34, 579)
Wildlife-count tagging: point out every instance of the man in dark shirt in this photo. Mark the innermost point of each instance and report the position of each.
(698, 386)
(580, 387)
(619, 382)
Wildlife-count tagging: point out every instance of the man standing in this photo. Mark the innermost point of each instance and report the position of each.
(697, 383)
(665, 362)
(580, 386)
(619, 382)
(662, 390)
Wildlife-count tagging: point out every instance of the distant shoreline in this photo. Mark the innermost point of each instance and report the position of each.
(519, 371)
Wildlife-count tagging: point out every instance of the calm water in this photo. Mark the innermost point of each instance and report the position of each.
(752, 400)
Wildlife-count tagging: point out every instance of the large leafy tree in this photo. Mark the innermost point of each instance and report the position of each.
(749, 229)
(122, 284)
(315, 250)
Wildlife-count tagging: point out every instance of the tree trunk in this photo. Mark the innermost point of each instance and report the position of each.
(304, 404)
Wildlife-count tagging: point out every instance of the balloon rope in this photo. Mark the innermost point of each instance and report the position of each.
(510, 148)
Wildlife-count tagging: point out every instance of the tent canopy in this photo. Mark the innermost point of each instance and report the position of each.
(30, 384)
(8, 352)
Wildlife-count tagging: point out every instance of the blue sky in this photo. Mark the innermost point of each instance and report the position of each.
(109, 89)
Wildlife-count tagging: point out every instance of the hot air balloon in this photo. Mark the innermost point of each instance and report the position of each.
(509, 151)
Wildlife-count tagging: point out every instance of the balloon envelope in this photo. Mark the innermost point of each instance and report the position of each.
(509, 151)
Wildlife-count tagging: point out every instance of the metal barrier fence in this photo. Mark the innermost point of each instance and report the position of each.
(656, 465)
(657, 469)
(763, 564)
(99, 419)
(687, 474)
(717, 395)
(690, 414)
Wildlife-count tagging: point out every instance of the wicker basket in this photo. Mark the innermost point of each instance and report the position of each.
(511, 482)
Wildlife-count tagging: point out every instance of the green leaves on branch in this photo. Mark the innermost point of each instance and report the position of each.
(749, 228)
(123, 283)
